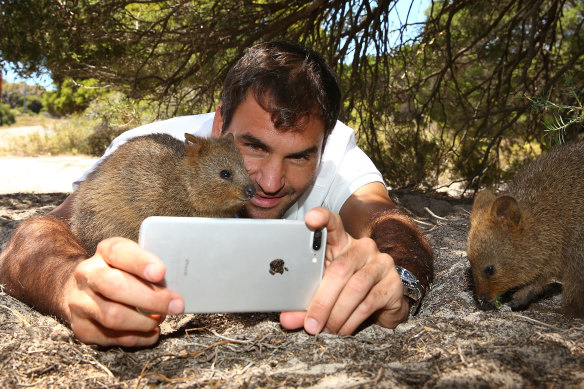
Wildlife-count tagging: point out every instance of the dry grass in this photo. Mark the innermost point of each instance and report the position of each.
(451, 343)
(26, 120)
(65, 136)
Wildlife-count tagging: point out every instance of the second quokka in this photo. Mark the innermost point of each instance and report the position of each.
(158, 175)
(533, 234)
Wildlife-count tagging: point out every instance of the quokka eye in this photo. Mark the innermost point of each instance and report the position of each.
(225, 174)
(489, 270)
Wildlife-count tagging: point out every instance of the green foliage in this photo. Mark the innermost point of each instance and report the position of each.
(6, 115)
(564, 116)
(114, 113)
(14, 94)
(34, 104)
(445, 100)
(477, 61)
(72, 96)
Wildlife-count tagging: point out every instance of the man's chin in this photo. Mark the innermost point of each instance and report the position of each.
(255, 212)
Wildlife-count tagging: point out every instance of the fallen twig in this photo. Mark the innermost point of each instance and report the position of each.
(17, 314)
(537, 322)
(143, 373)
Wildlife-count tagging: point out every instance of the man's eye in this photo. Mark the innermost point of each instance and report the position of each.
(301, 158)
(254, 147)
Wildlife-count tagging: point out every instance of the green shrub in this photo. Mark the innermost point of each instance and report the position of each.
(72, 96)
(114, 113)
(34, 104)
(6, 115)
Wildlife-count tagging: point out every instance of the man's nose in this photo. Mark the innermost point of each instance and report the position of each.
(271, 176)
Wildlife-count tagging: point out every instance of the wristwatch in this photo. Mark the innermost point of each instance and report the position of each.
(412, 288)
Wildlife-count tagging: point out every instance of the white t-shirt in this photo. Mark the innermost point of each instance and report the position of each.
(344, 167)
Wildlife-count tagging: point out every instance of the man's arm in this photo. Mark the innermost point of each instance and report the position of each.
(45, 266)
(369, 212)
(39, 259)
(36, 276)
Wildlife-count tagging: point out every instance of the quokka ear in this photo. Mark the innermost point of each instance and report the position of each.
(506, 213)
(194, 145)
(228, 137)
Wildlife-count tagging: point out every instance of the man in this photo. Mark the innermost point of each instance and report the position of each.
(281, 102)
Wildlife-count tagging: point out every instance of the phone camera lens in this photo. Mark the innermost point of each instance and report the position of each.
(317, 240)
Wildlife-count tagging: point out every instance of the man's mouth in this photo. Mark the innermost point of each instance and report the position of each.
(265, 201)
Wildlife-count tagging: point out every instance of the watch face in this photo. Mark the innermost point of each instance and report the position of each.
(412, 288)
(411, 283)
(408, 276)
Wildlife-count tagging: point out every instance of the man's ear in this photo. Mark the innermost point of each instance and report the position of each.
(217, 123)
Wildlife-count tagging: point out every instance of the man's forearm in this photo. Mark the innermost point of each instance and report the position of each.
(397, 235)
(37, 263)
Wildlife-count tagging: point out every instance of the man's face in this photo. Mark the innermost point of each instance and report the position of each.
(280, 163)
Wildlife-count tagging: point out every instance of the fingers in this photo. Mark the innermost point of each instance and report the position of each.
(98, 279)
(108, 289)
(128, 256)
(365, 292)
(391, 317)
(292, 320)
(354, 286)
(99, 321)
(92, 333)
(385, 296)
(359, 282)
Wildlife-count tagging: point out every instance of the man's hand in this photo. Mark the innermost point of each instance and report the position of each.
(106, 291)
(358, 282)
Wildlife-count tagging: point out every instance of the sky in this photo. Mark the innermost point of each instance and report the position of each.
(43, 80)
(416, 15)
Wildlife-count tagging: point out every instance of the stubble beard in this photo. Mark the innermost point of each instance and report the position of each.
(254, 212)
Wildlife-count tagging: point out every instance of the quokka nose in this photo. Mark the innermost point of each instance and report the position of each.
(484, 303)
(250, 191)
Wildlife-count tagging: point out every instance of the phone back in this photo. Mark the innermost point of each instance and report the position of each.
(237, 265)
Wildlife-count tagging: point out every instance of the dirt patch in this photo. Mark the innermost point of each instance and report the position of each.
(451, 343)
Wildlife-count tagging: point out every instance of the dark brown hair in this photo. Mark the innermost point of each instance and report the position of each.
(289, 81)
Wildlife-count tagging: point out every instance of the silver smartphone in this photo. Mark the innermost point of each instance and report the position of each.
(237, 265)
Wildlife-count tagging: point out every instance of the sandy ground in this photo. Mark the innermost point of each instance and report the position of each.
(41, 174)
(44, 174)
(451, 343)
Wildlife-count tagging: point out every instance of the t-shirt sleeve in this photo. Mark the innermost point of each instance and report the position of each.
(343, 169)
(354, 171)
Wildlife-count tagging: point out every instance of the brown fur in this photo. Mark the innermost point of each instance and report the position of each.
(159, 175)
(51, 251)
(534, 234)
(397, 235)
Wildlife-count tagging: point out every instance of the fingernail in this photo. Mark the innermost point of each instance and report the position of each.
(326, 330)
(175, 307)
(151, 272)
(311, 326)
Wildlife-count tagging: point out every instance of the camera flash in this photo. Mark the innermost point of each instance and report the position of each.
(314, 259)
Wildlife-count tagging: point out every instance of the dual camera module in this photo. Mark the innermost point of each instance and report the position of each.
(317, 240)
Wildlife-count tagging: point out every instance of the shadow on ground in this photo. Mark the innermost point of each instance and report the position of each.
(451, 343)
